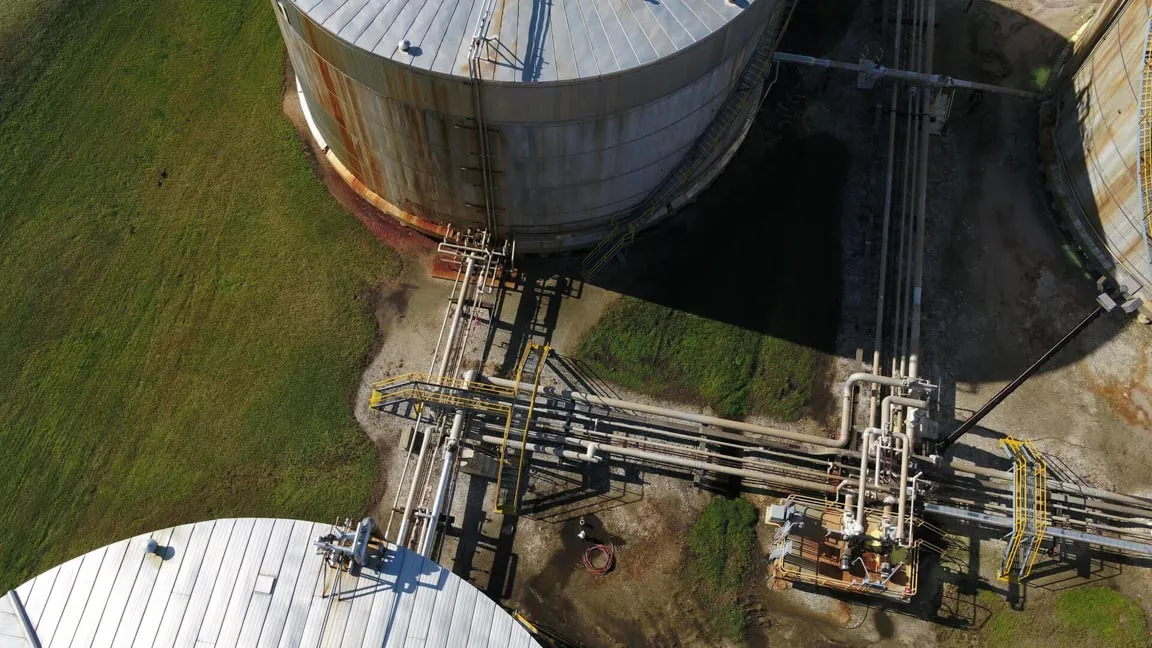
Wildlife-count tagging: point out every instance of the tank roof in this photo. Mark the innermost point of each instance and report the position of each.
(529, 40)
(252, 582)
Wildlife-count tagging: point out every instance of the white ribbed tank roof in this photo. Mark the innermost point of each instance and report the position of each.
(252, 582)
(532, 40)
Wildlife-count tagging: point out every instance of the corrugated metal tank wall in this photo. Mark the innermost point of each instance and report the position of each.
(567, 155)
(1094, 166)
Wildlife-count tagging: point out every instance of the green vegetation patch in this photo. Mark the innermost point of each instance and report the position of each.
(719, 558)
(735, 304)
(1081, 617)
(1102, 617)
(659, 350)
(182, 324)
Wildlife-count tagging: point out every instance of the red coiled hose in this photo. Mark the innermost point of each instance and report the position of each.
(608, 560)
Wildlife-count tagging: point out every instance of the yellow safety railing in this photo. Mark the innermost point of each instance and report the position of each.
(1020, 474)
(1024, 509)
(1039, 510)
(499, 506)
(419, 395)
(447, 381)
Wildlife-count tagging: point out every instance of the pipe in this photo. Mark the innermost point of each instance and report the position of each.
(1064, 487)
(441, 487)
(922, 206)
(917, 78)
(1007, 390)
(846, 399)
(912, 508)
(410, 501)
(470, 262)
(684, 462)
(882, 283)
(25, 623)
(864, 439)
(588, 456)
(879, 447)
(402, 534)
(909, 438)
(703, 419)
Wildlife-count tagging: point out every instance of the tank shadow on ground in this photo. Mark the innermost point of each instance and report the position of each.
(763, 248)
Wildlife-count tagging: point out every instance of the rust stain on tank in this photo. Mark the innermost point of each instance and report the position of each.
(336, 109)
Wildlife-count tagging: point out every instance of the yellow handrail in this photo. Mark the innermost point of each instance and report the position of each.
(497, 507)
(528, 419)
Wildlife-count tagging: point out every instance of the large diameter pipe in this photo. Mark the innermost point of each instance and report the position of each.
(864, 439)
(846, 399)
(727, 424)
(909, 438)
(470, 264)
(442, 485)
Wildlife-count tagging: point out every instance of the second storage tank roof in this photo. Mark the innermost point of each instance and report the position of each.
(531, 40)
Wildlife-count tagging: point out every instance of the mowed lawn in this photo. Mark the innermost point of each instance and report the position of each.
(182, 312)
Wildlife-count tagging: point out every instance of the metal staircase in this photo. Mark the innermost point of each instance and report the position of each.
(624, 229)
(1029, 508)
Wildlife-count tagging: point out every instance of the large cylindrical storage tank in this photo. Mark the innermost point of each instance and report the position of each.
(1096, 139)
(587, 105)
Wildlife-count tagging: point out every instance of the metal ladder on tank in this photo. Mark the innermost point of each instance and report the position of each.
(480, 43)
(623, 230)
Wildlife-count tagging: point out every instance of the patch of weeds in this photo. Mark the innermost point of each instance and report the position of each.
(1098, 616)
(719, 557)
(1040, 76)
(673, 354)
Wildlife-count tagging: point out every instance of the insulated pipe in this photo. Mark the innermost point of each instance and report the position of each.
(864, 439)
(585, 456)
(909, 438)
(883, 280)
(594, 446)
(846, 399)
(470, 263)
(1064, 487)
(922, 206)
(410, 501)
(838, 442)
(442, 486)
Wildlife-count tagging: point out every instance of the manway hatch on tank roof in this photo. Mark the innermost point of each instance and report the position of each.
(534, 40)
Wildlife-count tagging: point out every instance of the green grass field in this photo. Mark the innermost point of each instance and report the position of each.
(182, 323)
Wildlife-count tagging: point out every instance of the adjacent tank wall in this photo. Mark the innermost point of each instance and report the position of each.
(567, 156)
(1094, 165)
